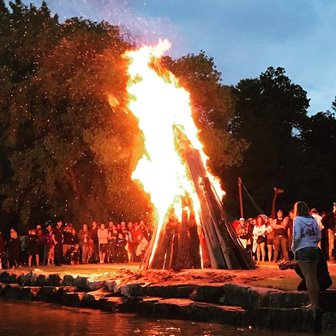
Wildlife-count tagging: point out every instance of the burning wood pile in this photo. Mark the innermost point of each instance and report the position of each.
(191, 227)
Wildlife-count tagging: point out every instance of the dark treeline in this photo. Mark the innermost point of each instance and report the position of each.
(65, 152)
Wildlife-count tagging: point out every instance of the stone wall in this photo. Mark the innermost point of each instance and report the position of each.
(227, 303)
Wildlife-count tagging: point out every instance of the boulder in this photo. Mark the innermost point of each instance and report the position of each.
(329, 323)
(81, 283)
(68, 280)
(41, 280)
(54, 280)
(48, 294)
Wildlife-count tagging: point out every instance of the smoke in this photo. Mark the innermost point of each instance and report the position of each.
(138, 27)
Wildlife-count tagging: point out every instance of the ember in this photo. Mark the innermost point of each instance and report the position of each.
(191, 230)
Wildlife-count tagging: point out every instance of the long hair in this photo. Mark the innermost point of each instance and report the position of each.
(301, 209)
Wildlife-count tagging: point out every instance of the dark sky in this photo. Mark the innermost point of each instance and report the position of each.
(243, 36)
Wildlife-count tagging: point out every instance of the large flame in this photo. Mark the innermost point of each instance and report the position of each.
(162, 106)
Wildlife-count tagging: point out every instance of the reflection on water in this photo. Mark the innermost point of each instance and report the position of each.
(36, 318)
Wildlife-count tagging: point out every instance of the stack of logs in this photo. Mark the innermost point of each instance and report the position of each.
(184, 244)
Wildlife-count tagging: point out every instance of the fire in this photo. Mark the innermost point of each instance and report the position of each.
(164, 114)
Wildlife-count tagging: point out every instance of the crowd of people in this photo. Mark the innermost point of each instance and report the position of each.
(61, 244)
(270, 239)
(265, 238)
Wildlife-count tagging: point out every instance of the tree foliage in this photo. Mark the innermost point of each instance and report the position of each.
(270, 111)
(287, 147)
(65, 150)
(68, 145)
(212, 106)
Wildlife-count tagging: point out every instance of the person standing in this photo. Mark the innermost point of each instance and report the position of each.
(84, 238)
(58, 236)
(13, 248)
(102, 234)
(95, 243)
(280, 236)
(329, 222)
(1, 249)
(270, 238)
(306, 235)
(259, 239)
(33, 247)
(318, 219)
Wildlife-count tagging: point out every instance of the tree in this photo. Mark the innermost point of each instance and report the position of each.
(270, 112)
(54, 110)
(212, 106)
(318, 160)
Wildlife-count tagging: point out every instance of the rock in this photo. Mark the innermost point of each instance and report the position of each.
(171, 291)
(328, 300)
(41, 280)
(234, 295)
(298, 320)
(54, 280)
(89, 300)
(94, 285)
(29, 278)
(4, 277)
(207, 293)
(110, 304)
(14, 291)
(72, 299)
(111, 285)
(48, 294)
(329, 323)
(81, 283)
(68, 280)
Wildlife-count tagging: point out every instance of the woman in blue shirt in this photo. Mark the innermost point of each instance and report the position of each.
(306, 235)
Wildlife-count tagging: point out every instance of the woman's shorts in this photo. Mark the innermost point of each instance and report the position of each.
(307, 254)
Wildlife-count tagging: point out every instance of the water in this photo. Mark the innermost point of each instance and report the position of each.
(36, 318)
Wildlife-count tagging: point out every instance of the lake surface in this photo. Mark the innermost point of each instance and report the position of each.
(36, 318)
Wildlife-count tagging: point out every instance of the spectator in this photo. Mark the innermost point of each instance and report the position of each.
(33, 247)
(95, 243)
(84, 237)
(290, 224)
(121, 253)
(318, 219)
(58, 236)
(1, 249)
(72, 256)
(137, 236)
(242, 232)
(102, 235)
(112, 240)
(24, 249)
(280, 236)
(259, 239)
(270, 238)
(13, 248)
(131, 244)
(40, 236)
(49, 247)
(67, 239)
(306, 234)
(329, 222)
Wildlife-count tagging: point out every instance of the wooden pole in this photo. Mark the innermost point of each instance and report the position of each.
(240, 198)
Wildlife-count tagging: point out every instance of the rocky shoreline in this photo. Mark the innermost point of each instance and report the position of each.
(227, 303)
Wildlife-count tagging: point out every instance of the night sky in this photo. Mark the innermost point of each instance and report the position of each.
(243, 36)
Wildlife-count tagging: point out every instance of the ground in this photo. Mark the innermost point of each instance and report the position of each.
(265, 275)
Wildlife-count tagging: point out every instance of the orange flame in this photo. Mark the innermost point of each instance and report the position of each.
(161, 106)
